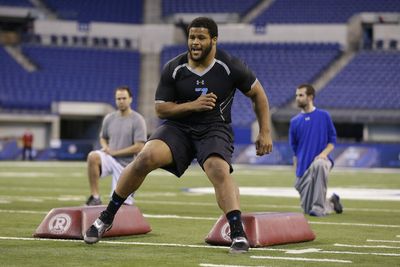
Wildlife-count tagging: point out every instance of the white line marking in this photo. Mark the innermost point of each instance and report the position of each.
(317, 250)
(289, 251)
(356, 224)
(24, 211)
(172, 216)
(360, 253)
(299, 259)
(302, 251)
(370, 194)
(383, 241)
(224, 265)
(364, 246)
(166, 216)
(16, 175)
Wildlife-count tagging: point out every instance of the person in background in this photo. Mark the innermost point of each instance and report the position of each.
(194, 96)
(27, 142)
(122, 137)
(312, 137)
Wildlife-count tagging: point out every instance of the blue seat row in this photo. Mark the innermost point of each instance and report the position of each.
(61, 77)
(317, 11)
(170, 7)
(121, 11)
(370, 81)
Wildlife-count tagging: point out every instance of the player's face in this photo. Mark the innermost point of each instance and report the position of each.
(199, 43)
(302, 99)
(122, 100)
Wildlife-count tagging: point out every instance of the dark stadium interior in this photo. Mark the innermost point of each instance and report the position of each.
(50, 73)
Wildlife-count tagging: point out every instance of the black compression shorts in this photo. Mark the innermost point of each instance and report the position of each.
(199, 141)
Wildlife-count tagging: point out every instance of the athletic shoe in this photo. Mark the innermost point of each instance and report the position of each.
(337, 206)
(91, 201)
(316, 214)
(96, 231)
(239, 245)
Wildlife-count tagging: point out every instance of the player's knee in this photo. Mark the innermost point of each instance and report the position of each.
(321, 164)
(145, 160)
(93, 158)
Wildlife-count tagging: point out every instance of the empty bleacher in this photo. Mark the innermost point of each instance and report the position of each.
(16, 3)
(121, 11)
(170, 7)
(66, 74)
(370, 81)
(317, 11)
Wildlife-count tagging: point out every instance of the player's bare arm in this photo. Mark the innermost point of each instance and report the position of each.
(166, 110)
(261, 108)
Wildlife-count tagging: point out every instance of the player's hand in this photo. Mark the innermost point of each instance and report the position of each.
(204, 102)
(106, 150)
(263, 144)
(321, 156)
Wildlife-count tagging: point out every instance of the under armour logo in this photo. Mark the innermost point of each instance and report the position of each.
(200, 82)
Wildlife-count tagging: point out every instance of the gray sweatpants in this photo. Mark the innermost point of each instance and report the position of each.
(312, 187)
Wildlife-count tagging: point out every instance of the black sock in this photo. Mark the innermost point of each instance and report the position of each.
(115, 203)
(235, 223)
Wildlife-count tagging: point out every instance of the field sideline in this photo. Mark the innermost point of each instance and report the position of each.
(182, 211)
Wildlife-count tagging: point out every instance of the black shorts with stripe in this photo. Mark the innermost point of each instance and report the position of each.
(188, 142)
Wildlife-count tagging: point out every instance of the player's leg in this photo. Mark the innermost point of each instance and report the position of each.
(320, 170)
(154, 154)
(226, 190)
(227, 195)
(94, 172)
(304, 185)
(117, 169)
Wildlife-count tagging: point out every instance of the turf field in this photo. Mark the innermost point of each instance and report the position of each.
(366, 234)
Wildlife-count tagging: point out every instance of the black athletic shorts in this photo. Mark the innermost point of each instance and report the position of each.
(198, 141)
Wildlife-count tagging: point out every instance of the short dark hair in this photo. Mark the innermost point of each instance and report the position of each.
(204, 22)
(309, 89)
(123, 88)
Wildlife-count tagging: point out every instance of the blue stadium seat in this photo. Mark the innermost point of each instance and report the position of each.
(61, 77)
(370, 81)
(170, 7)
(16, 3)
(121, 11)
(317, 11)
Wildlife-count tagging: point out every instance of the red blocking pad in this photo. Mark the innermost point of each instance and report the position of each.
(72, 222)
(264, 229)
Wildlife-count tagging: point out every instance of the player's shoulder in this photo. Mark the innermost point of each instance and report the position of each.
(111, 115)
(136, 115)
(296, 117)
(177, 61)
(323, 112)
(227, 58)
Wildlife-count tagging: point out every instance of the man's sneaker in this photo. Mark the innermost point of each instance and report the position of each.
(96, 231)
(91, 201)
(316, 214)
(239, 245)
(337, 206)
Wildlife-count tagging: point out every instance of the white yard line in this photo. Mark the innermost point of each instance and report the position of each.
(225, 265)
(300, 259)
(172, 216)
(383, 241)
(364, 246)
(288, 251)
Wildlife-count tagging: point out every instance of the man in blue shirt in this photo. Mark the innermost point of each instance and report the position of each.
(312, 137)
